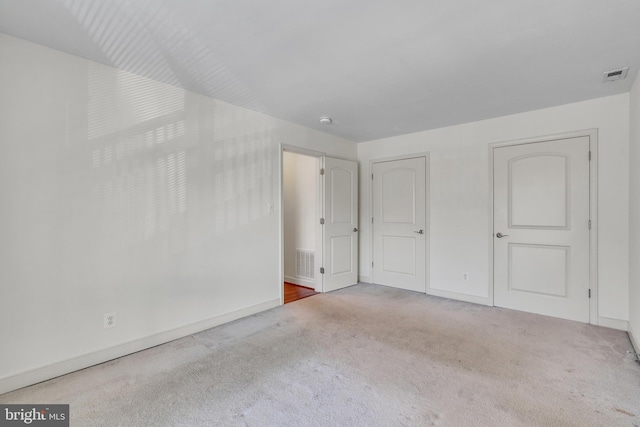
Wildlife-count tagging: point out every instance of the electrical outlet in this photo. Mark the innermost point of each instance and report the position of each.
(465, 276)
(109, 320)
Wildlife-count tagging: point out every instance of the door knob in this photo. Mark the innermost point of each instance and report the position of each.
(500, 235)
(355, 229)
(419, 231)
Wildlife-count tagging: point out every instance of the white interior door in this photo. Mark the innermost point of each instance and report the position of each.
(340, 230)
(399, 223)
(541, 228)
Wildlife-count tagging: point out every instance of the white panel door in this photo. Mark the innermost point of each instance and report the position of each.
(340, 230)
(399, 223)
(541, 228)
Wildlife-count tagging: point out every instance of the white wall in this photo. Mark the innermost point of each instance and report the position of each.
(634, 214)
(121, 194)
(459, 189)
(299, 186)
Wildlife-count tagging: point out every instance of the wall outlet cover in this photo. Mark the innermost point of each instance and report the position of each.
(110, 320)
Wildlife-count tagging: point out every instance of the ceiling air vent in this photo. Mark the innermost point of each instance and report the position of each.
(618, 74)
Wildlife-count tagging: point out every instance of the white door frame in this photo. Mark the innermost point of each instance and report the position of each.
(427, 236)
(318, 235)
(593, 209)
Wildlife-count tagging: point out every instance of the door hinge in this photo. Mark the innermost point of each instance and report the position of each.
(589, 224)
(372, 264)
(589, 155)
(371, 176)
(321, 221)
(371, 220)
(589, 293)
(322, 171)
(321, 270)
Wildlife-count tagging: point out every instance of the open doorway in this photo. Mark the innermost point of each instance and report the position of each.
(300, 194)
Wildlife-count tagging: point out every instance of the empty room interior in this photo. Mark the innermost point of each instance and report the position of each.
(453, 187)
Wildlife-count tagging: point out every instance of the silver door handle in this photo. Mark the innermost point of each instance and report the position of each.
(500, 235)
(355, 229)
(419, 231)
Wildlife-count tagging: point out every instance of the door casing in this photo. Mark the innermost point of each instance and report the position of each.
(592, 134)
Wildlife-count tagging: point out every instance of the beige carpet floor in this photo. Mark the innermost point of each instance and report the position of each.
(365, 356)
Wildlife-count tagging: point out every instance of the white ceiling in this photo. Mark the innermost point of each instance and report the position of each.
(378, 67)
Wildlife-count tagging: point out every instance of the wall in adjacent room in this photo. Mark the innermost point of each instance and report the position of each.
(121, 194)
(299, 186)
(459, 196)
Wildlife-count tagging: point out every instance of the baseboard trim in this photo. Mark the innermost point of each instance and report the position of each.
(460, 297)
(301, 282)
(634, 341)
(609, 322)
(364, 279)
(56, 369)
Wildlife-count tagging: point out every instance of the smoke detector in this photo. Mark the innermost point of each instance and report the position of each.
(325, 120)
(613, 75)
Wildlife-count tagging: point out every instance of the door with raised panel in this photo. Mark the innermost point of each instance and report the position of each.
(340, 230)
(541, 228)
(399, 223)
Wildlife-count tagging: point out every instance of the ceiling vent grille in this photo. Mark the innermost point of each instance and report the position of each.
(618, 74)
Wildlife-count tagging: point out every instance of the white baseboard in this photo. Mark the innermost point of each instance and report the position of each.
(56, 369)
(633, 338)
(460, 297)
(300, 281)
(364, 279)
(609, 322)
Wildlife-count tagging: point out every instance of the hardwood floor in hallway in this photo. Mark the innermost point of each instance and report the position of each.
(295, 292)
